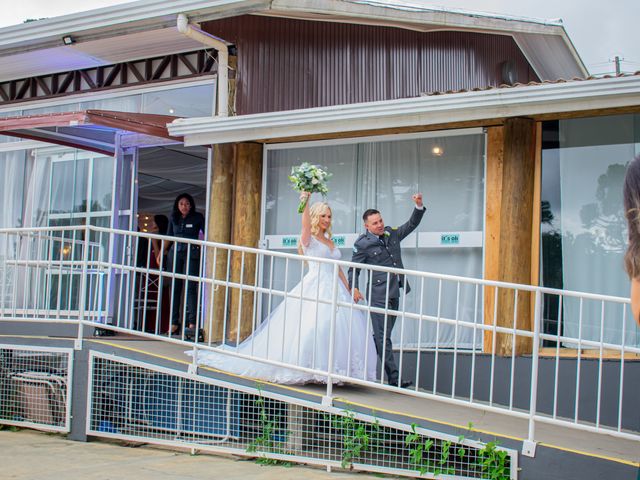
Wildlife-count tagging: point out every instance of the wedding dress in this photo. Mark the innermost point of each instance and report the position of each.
(297, 332)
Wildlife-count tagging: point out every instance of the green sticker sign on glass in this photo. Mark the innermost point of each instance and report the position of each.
(450, 239)
(288, 242)
(339, 241)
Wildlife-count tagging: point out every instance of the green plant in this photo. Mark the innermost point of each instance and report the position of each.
(264, 441)
(273, 462)
(418, 449)
(433, 456)
(445, 452)
(11, 428)
(355, 437)
(493, 462)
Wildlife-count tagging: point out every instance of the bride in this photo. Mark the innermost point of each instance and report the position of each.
(297, 331)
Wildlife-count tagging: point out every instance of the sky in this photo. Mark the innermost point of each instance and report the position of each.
(599, 29)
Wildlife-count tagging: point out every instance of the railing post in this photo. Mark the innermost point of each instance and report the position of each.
(529, 445)
(83, 288)
(327, 400)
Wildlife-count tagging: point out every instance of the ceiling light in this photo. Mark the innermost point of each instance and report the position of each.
(437, 151)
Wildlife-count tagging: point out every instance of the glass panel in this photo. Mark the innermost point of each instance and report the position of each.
(99, 241)
(102, 184)
(62, 181)
(7, 138)
(129, 103)
(583, 225)
(80, 185)
(384, 175)
(67, 107)
(38, 190)
(181, 102)
(449, 171)
(340, 160)
(126, 165)
(12, 175)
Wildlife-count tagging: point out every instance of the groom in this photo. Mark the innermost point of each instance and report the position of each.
(380, 246)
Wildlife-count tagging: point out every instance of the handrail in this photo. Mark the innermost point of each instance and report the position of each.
(120, 278)
(343, 263)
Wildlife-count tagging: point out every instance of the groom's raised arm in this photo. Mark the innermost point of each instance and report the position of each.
(416, 217)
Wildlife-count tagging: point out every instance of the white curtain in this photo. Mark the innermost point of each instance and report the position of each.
(453, 188)
(12, 175)
(384, 175)
(16, 168)
(12, 172)
(281, 215)
(593, 156)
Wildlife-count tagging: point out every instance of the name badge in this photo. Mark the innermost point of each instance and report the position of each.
(189, 225)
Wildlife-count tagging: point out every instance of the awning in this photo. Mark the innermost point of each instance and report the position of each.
(93, 130)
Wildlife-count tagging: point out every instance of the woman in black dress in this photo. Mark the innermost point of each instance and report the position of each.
(185, 222)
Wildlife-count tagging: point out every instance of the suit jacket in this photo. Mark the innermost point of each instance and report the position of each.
(371, 250)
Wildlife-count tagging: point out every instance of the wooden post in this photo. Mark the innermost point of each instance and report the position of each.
(510, 239)
(220, 207)
(245, 232)
(516, 218)
(493, 182)
(536, 215)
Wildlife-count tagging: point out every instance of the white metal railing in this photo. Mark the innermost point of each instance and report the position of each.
(119, 287)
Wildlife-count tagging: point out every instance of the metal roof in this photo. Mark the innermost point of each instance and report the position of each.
(441, 109)
(545, 43)
(92, 130)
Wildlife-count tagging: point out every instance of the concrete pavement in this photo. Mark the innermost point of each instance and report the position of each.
(31, 455)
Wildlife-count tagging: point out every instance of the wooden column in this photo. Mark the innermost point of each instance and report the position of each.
(220, 207)
(245, 232)
(493, 183)
(511, 237)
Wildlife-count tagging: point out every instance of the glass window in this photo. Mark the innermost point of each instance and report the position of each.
(62, 186)
(448, 170)
(181, 102)
(128, 103)
(7, 138)
(80, 185)
(583, 230)
(66, 107)
(101, 184)
(12, 166)
(340, 160)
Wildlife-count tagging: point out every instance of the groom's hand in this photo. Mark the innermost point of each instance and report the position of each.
(357, 296)
(417, 199)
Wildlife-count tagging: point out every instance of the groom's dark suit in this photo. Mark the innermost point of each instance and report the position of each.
(384, 251)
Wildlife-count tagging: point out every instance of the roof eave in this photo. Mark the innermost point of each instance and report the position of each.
(132, 16)
(435, 18)
(533, 100)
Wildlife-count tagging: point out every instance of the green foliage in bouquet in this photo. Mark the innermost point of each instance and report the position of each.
(309, 178)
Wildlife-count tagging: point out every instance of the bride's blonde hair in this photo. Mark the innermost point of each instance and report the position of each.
(315, 211)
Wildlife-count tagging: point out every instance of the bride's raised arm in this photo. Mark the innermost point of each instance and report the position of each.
(305, 234)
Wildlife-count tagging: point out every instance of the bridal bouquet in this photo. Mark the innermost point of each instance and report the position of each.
(309, 178)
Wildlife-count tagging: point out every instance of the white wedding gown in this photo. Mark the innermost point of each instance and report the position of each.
(298, 332)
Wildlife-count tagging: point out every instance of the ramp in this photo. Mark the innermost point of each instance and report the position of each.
(148, 391)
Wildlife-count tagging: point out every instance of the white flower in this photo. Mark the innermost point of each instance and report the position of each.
(315, 181)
